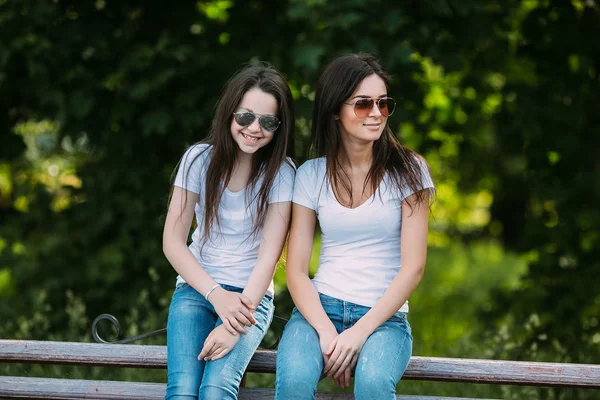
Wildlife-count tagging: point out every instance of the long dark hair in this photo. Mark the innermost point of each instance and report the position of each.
(224, 150)
(338, 81)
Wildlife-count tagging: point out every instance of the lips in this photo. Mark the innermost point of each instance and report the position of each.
(252, 139)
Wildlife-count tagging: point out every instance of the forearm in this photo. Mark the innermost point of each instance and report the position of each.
(392, 300)
(186, 265)
(259, 281)
(306, 299)
(273, 239)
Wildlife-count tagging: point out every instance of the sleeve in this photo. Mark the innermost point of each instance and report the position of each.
(304, 190)
(283, 185)
(426, 181)
(189, 171)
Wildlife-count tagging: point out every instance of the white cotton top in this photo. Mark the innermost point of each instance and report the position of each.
(360, 252)
(231, 253)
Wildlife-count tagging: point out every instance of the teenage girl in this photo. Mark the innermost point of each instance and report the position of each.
(238, 184)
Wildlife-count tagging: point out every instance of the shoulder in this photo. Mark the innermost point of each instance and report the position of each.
(198, 149)
(423, 169)
(414, 163)
(196, 155)
(313, 168)
(288, 167)
(287, 170)
(421, 161)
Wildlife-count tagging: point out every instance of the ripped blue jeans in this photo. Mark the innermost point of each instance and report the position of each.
(191, 319)
(381, 362)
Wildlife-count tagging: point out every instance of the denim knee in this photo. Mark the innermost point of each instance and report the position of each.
(383, 360)
(374, 385)
(218, 392)
(182, 386)
(299, 360)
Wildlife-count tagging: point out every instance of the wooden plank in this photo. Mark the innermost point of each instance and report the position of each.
(503, 372)
(91, 354)
(68, 389)
(104, 355)
(419, 368)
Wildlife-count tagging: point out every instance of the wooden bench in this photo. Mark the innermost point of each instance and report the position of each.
(151, 356)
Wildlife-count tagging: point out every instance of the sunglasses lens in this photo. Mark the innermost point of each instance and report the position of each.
(386, 106)
(244, 118)
(268, 122)
(362, 107)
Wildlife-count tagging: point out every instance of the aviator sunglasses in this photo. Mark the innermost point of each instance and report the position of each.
(246, 118)
(362, 107)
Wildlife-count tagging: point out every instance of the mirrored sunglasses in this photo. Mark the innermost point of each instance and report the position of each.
(246, 118)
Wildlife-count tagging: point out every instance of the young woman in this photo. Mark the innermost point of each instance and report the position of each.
(238, 184)
(371, 197)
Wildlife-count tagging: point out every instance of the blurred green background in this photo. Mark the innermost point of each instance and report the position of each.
(98, 100)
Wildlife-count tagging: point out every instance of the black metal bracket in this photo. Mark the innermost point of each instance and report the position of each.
(157, 332)
(117, 326)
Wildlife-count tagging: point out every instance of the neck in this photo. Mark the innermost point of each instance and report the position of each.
(355, 155)
(243, 160)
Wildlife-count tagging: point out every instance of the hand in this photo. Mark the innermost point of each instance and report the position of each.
(343, 353)
(344, 380)
(325, 339)
(218, 343)
(234, 309)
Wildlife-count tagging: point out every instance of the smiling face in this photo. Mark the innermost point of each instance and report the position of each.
(253, 137)
(369, 128)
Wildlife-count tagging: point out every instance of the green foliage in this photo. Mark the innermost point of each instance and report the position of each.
(100, 99)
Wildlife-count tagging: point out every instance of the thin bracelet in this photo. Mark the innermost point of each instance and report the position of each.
(210, 291)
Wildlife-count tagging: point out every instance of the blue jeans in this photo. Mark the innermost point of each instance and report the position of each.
(191, 319)
(380, 365)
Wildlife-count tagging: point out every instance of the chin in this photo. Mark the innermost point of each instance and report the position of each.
(248, 150)
(372, 136)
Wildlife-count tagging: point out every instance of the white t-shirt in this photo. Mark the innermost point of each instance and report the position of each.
(360, 253)
(231, 253)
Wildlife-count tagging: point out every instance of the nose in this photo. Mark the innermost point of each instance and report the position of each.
(375, 111)
(254, 126)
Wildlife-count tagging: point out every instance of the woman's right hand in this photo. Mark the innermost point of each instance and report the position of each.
(234, 309)
(325, 341)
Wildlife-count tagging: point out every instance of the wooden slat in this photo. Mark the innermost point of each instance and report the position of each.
(48, 388)
(105, 355)
(419, 368)
(90, 354)
(503, 372)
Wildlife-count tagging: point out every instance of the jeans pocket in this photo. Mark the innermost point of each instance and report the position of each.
(399, 316)
(181, 286)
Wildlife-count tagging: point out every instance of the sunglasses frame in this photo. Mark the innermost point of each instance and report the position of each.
(260, 119)
(375, 101)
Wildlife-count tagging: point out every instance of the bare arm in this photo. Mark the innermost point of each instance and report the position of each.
(233, 308)
(219, 343)
(304, 293)
(175, 235)
(274, 233)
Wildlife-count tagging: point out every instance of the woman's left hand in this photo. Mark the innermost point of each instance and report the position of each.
(343, 353)
(218, 343)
